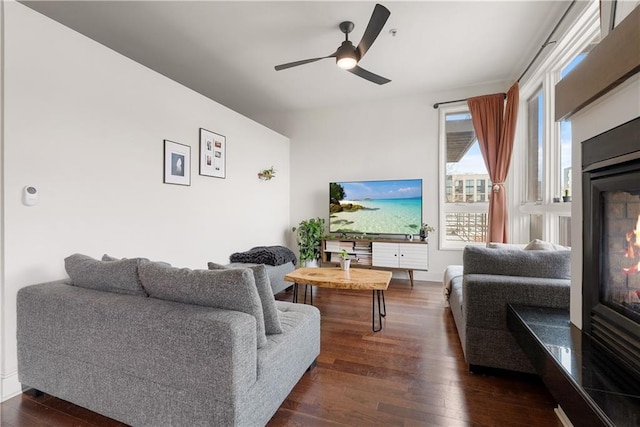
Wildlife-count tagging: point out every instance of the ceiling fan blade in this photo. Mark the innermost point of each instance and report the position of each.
(368, 75)
(304, 61)
(376, 23)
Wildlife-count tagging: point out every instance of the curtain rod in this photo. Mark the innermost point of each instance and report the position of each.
(437, 104)
(546, 43)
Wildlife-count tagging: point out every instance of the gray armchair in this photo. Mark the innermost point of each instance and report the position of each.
(493, 278)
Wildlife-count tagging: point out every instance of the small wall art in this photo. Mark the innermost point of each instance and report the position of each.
(177, 163)
(213, 158)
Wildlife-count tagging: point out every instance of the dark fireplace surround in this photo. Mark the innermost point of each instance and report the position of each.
(611, 246)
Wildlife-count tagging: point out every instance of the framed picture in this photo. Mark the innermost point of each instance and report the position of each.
(177, 163)
(213, 158)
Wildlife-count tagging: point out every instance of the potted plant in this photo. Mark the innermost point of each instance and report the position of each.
(424, 231)
(345, 262)
(309, 235)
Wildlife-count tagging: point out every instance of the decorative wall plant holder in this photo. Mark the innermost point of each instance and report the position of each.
(267, 174)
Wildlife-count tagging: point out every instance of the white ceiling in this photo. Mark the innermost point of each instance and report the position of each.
(227, 50)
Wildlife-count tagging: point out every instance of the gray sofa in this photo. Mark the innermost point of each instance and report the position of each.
(489, 280)
(162, 351)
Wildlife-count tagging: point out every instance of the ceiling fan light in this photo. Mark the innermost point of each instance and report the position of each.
(347, 62)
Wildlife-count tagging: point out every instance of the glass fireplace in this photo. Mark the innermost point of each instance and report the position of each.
(611, 245)
(621, 251)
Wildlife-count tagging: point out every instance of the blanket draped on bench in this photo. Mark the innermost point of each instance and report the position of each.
(271, 255)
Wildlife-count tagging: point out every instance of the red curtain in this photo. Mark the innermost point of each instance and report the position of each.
(495, 128)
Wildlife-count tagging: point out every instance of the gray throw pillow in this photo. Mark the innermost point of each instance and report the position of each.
(226, 289)
(114, 276)
(263, 284)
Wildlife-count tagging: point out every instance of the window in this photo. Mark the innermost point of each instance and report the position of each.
(545, 155)
(464, 181)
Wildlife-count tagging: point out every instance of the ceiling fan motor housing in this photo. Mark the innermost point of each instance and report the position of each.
(347, 55)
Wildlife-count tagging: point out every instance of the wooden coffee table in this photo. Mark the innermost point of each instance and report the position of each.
(376, 281)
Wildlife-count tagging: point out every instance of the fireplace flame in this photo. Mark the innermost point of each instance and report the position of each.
(631, 270)
(632, 240)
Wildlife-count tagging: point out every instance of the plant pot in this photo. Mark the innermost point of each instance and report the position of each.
(566, 198)
(311, 263)
(424, 235)
(345, 264)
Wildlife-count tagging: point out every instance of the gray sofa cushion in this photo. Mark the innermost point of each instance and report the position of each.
(229, 289)
(271, 319)
(509, 262)
(276, 274)
(114, 276)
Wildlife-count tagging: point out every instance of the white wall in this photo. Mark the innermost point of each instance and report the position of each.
(388, 139)
(617, 107)
(86, 126)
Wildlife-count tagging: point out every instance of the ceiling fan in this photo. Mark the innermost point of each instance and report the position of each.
(347, 56)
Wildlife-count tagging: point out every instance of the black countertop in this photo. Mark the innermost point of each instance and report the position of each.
(589, 386)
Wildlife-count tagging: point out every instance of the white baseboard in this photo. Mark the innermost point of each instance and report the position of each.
(562, 417)
(9, 386)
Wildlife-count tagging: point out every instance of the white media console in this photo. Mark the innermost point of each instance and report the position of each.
(378, 253)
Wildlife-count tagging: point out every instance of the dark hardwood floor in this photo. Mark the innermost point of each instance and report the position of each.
(412, 373)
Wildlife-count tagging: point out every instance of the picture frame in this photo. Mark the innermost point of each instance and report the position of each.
(213, 154)
(177, 163)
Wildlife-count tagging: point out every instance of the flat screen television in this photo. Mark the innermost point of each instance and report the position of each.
(376, 207)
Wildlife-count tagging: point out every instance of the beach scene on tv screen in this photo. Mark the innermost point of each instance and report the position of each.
(375, 207)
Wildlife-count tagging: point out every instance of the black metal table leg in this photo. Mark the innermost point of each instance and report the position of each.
(380, 311)
(296, 293)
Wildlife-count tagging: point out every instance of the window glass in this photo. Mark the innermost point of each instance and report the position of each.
(564, 225)
(565, 138)
(565, 158)
(535, 149)
(535, 226)
(466, 183)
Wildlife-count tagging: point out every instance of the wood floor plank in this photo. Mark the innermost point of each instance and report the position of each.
(412, 373)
